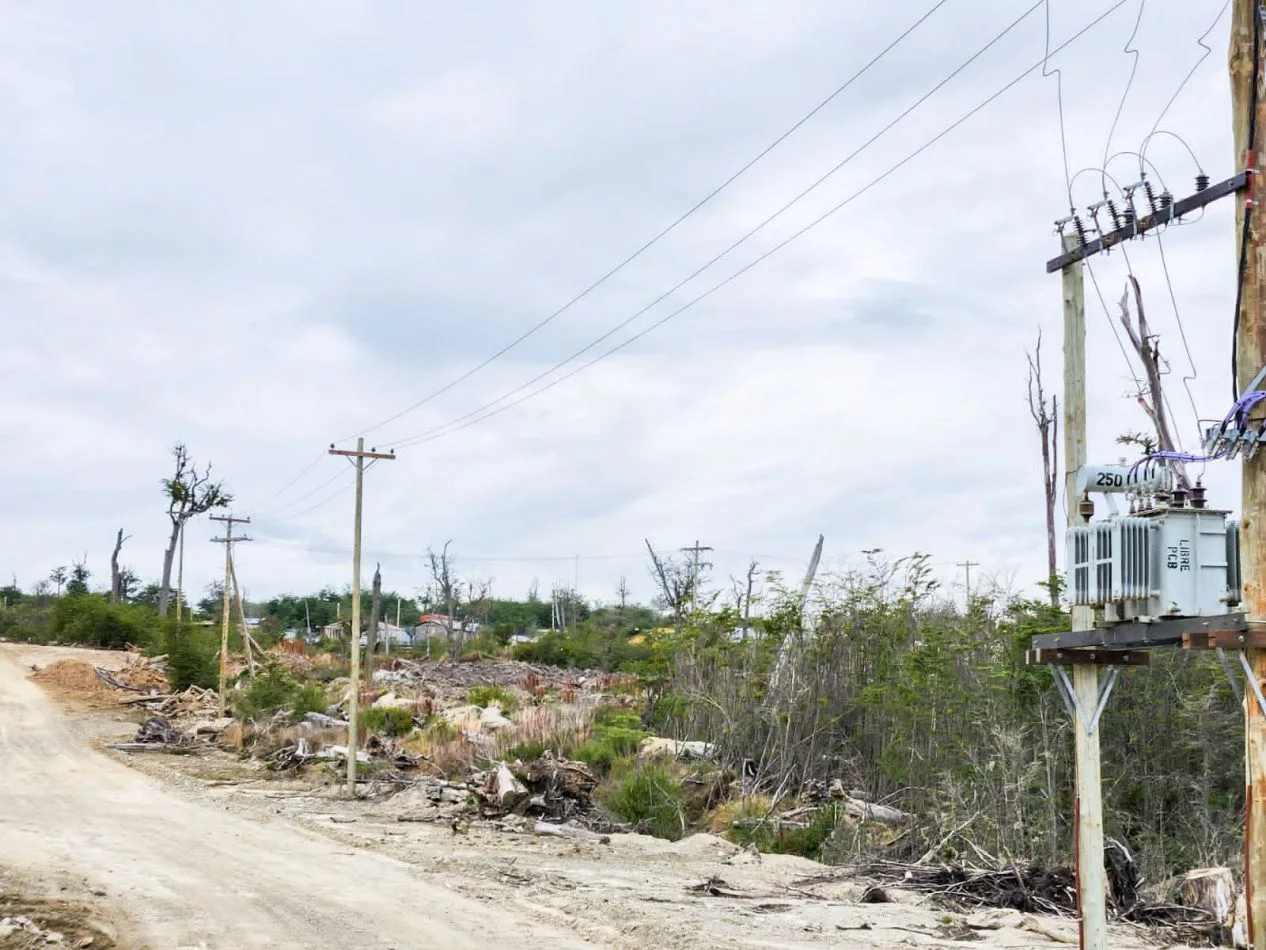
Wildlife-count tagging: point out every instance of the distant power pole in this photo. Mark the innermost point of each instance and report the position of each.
(228, 541)
(357, 457)
(694, 577)
(967, 566)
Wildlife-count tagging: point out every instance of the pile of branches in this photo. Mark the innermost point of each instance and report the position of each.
(1028, 889)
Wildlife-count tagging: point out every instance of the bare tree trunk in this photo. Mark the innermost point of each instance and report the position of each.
(116, 578)
(169, 556)
(371, 637)
(1046, 419)
(1148, 350)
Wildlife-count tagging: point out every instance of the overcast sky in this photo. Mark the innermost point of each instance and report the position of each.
(261, 227)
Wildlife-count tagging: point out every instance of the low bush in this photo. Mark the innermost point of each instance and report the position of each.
(272, 689)
(390, 721)
(616, 735)
(807, 842)
(649, 798)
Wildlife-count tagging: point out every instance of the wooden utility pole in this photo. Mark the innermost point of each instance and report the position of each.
(1249, 118)
(967, 566)
(1092, 890)
(228, 541)
(357, 457)
(180, 575)
(694, 578)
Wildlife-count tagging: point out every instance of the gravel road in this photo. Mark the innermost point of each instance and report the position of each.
(189, 875)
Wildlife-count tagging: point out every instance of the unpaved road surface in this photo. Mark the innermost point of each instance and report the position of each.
(174, 854)
(188, 875)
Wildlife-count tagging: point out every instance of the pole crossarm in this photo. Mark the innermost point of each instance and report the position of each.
(1134, 636)
(360, 453)
(1150, 222)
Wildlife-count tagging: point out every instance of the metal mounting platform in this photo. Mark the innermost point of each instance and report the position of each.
(1091, 656)
(1132, 636)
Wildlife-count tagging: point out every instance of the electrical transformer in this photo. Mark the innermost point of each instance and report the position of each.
(1170, 557)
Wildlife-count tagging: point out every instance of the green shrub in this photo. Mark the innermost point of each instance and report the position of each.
(806, 842)
(390, 721)
(649, 798)
(530, 751)
(616, 735)
(92, 620)
(484, 696)
(309, 697)
(191, 657)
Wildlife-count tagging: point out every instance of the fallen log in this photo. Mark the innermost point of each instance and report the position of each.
(155, 698)
(503, 790)
(550, 830)
(105, 677)
(880, 813)
(149, 747)
(321, 719)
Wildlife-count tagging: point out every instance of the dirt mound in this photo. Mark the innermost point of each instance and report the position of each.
(142, 675)
(74, 679)
(27, 924)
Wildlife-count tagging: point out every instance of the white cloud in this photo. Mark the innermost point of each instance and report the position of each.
(259, 241)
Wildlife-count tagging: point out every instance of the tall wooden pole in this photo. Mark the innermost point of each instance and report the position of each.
(180, 574)
(1250, 350)
(1091, 880)
(354, 674)
(224, 617)
(353, 703)
(228, 541)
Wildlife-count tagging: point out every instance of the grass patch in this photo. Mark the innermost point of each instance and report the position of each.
(271, 690)
(616, 735)
(390, 721)
(807, 842)
(485, 696)
(648, 797)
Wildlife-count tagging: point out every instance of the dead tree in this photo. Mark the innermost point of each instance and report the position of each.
(116, 576)
(743, 596)
(444, 583)
(189, 493)
(371, 636)
(1147, 346)
(676, 582)
(1046, 419)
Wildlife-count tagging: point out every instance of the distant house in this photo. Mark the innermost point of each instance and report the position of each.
(332, 631)
(432, 626)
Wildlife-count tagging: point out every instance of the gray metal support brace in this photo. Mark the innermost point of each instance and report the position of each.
(1253, 683)
(1230, 675)
(1073, 703)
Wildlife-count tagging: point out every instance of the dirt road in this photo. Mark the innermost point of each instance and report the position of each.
(200, 852)
(188, 875)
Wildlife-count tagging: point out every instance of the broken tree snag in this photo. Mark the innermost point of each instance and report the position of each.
(549, 830)
(1209, 889)
(503, 790)
(880, 813)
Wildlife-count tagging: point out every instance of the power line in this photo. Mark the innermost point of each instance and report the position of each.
(454, 426)
(666, 231)
(1059, 96)
(1200, 41)
(342, 478)
(1129, 84)
(742, 240)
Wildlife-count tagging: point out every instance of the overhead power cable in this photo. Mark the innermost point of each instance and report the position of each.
(663, 233)
(459, 424)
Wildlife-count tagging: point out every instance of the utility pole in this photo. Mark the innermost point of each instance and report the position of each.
(694, 579)
(1092, 892)
(228, 541)
(967, 566)
(357, 458)
(1248, 110)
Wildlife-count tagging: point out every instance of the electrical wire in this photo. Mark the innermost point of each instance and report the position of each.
(277, 519)
(1186, 79)
(663, 233)
(1248, 208)
(1107, 145)
(492, 409)
(1059, 93)
(284, 488)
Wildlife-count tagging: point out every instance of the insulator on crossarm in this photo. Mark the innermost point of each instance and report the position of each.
(1080, 226)
(1166, 199)
(1202, 182)
(1151, 195)
(1116, 215)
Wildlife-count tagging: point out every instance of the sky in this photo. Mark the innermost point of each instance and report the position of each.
(262, 228)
